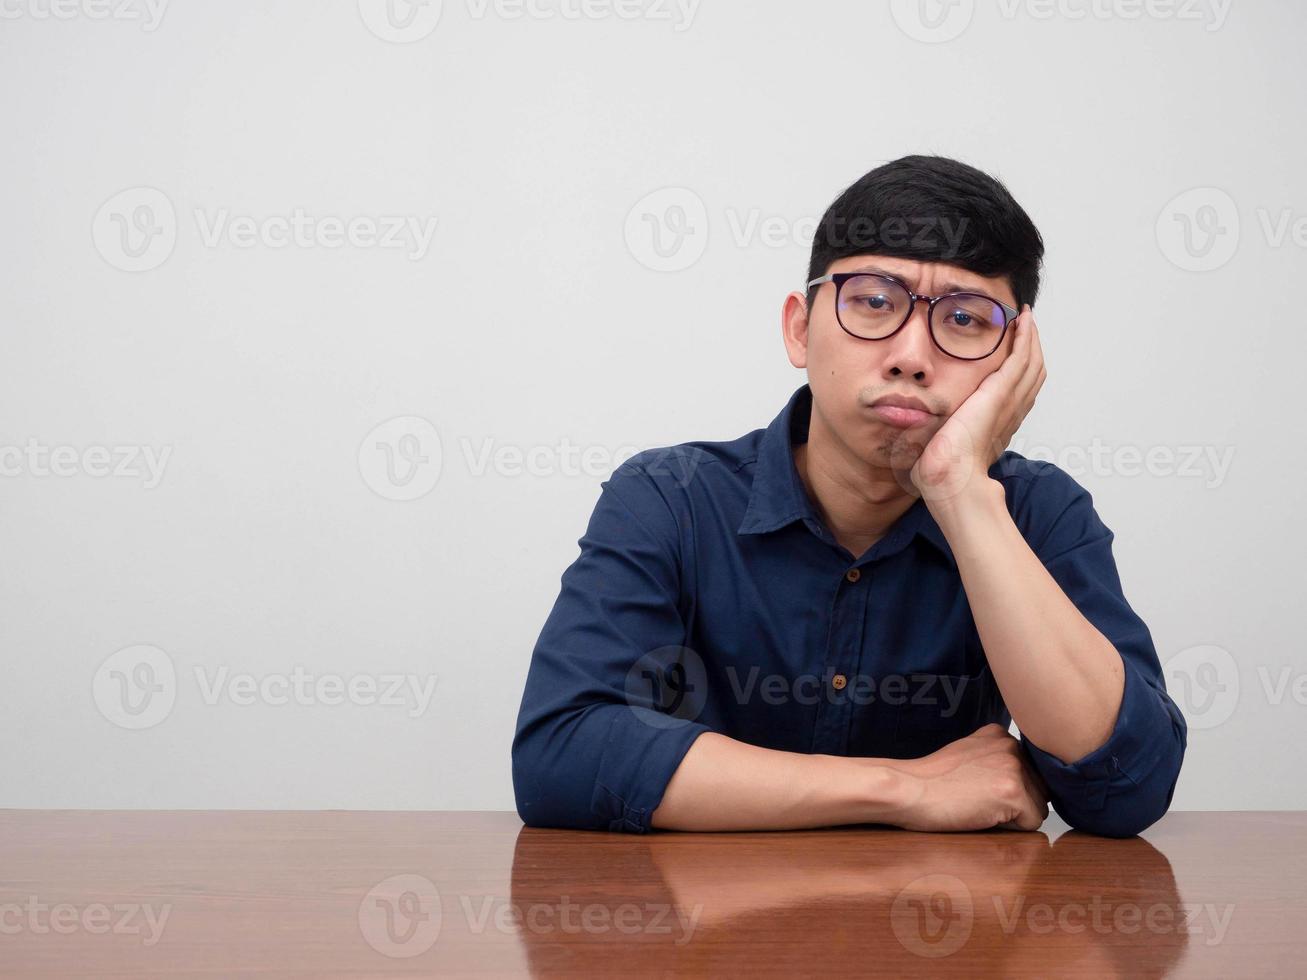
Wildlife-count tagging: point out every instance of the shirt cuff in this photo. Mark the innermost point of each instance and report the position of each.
(1144, 735)
(643, 751)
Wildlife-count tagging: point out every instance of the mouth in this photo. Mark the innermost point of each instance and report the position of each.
(901, 418)
(901, 411)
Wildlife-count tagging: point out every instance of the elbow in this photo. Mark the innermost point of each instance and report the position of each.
(1125, 804)
(1111, 821)
(527, 780)
(546, 791)
(1128, 808)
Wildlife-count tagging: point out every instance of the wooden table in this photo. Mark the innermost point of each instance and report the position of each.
(477, 894)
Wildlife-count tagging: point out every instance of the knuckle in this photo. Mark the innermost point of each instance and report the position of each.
(1008, 786)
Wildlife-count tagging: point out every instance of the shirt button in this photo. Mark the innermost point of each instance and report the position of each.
(853, 574)
(838, 682)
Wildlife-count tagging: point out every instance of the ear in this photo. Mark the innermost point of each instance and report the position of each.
(794, 328)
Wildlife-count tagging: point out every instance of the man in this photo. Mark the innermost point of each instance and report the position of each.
(835, 619)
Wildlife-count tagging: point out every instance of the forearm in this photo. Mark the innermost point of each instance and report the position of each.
(725, 784)
(1061, 679)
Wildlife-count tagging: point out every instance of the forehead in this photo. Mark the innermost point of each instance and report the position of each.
(936, 277)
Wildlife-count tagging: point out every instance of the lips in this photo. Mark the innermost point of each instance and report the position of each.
(901, 401)
(901, 411)
(902, 418)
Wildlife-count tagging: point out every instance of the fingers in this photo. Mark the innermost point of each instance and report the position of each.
(1039, 788)
(1037, 778)
(1037, 798)
(1032, 809)
(1014, 365)
(1032, 363)
(1033, 796)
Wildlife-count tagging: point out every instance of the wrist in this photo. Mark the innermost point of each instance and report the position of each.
(981, 497)
(889, 790)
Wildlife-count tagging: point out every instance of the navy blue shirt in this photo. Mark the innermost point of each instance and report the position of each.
(709, 596)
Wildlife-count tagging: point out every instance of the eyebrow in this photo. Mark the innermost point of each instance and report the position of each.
(947, 287)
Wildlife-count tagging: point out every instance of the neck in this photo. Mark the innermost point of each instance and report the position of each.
(858, 501)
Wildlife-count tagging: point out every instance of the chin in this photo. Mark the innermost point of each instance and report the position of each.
(898, 450)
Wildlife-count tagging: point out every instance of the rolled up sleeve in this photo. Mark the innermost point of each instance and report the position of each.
(590, 751)
(1127, 783)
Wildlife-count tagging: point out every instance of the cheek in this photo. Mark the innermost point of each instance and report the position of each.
(960, 388)
(828, 353)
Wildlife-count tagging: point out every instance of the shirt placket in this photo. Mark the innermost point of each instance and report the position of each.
(840, 664)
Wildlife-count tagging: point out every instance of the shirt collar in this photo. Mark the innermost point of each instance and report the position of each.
(778, 497)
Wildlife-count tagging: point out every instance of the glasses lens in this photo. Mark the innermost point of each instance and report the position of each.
(872, 307)
(967, 325)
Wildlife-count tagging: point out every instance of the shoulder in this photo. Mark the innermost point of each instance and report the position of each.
(1044, 498)
(1036, 478)
(690, 468)
(675, 492)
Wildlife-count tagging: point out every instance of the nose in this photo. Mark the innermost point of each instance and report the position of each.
(910, 352)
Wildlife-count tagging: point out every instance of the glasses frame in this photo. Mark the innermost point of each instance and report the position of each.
(840, 278)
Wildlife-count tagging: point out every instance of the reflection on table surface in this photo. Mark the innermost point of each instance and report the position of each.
(476, 893)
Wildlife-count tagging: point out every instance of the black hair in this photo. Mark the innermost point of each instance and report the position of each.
(933, 209)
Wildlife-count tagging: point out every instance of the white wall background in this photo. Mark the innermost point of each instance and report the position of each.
(538, 319)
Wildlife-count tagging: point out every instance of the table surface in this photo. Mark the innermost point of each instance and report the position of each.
(241, 893)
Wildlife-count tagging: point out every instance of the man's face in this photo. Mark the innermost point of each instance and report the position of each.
(847, 374)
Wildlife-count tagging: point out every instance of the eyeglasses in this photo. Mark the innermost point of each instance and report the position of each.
(872, 306)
